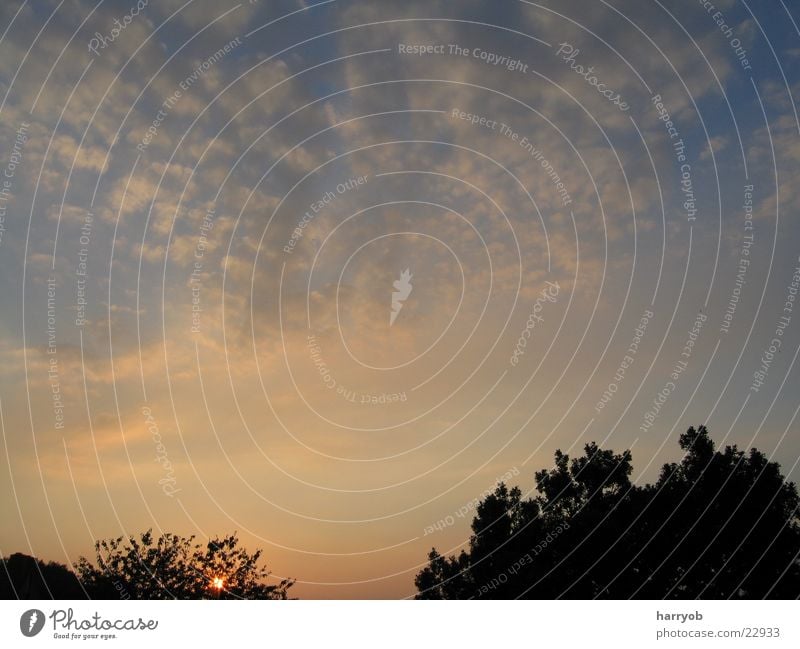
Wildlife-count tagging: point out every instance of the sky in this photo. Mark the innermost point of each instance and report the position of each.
(323, 273)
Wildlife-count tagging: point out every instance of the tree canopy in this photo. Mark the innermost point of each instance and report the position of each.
(175, 567)
(26, 577)
(717, 524)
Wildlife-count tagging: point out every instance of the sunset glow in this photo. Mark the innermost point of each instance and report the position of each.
(324, 274)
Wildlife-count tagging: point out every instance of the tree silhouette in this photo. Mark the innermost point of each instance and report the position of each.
(718, 524)
(25, 577)
(175, 567)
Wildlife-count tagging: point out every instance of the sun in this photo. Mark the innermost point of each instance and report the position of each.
(218, 583)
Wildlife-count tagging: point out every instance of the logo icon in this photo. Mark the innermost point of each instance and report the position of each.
(402, 289)
(31, 622)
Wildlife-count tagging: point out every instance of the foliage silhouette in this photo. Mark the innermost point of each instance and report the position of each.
(175, 567)
(718, 524)
(25, 577)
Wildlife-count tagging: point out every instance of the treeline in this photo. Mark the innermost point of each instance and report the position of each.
(26, 577)
(147, 567)
(717, 524)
